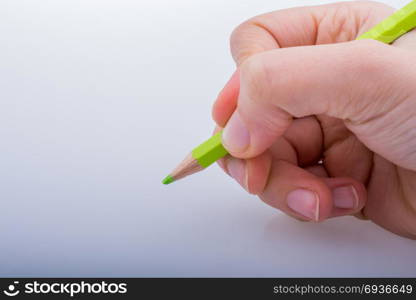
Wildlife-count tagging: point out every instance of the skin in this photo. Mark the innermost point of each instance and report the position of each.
(311, 110)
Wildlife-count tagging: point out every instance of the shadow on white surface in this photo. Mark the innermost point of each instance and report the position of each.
(339, 247)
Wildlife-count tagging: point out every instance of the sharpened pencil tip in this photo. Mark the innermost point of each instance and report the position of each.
(168, 179)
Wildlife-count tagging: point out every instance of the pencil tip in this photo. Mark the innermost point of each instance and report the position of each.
(168, 179)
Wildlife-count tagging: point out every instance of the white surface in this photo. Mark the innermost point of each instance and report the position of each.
(92, 94)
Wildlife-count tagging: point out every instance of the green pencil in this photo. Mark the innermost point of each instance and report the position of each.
(201, 157)
(387, 31)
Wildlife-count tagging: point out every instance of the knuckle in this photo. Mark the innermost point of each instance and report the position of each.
(339, 24)
(254, 78)
(258, 90)
(238, 35)
(246, 39)
(238, 32)
(241, 30)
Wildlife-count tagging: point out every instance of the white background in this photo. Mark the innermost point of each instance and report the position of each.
(98, 101)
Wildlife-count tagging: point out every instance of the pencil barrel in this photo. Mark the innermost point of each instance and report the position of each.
(210, 151)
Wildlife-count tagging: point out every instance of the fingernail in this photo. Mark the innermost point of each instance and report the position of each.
(304, 202)
(235, 136)
(345, 197)
(237, 170)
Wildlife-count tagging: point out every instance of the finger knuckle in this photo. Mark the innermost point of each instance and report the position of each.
(254, 77)
(238, 32)
(237, 36)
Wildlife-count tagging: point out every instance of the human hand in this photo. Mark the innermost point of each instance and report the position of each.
(320, 125)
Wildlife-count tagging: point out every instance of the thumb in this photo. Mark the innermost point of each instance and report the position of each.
(360, 82)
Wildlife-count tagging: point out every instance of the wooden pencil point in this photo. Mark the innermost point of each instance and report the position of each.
(168, 179)
(201, 157)
(187, 167)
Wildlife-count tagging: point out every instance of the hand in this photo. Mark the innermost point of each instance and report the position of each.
(320, 125)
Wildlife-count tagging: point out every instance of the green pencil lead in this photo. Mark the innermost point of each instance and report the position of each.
(168, 179)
